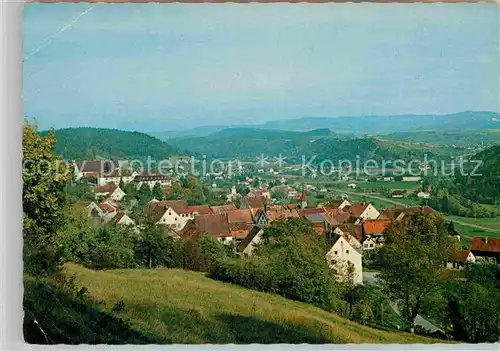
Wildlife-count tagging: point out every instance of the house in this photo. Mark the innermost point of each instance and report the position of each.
(349, 230)
(351, 186)
(109, 210)
(152, 178)
(260, 192)
(255, 203)
(362, 211)
(319, 222)
(176, 213)
(309, 211)
(94, 210)
(239, 231)
(112, 191)
(116, 176)
(216, 226)
(338, 204)
(261, 218)
(398, 194)
(240, 215)
(233, 195)
(345, 259)
(248, 245)
(411, 179)
(93, 169)
(195, 210)
(397, 213)
(274, 213)
(373, 229)
(484, 248)
(172, 213)
(223, 208)
(369, 244)
(423, 195)
(461, 258)
(123, 219)
(336, 216)
(292, 193)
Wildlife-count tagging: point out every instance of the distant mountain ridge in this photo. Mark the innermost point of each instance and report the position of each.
(372, 125)
(320, 144)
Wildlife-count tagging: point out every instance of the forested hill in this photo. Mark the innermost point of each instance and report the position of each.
(87, 143)
(482, 184)
(244, 143)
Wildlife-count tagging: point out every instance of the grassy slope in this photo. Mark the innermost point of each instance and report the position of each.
(175, 306)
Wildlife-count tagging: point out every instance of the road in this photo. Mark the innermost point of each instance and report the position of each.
(394, 202)
(370, 277)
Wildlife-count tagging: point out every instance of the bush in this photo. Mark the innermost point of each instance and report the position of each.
(290, 261)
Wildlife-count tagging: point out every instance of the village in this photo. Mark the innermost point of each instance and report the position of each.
(351, 229)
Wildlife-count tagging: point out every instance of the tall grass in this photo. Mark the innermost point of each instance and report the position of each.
(176, 306)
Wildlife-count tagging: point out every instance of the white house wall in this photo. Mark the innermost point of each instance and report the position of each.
(342, 252)
(370, 213)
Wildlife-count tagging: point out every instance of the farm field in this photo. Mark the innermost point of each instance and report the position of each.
(486, 224)
(409, 186)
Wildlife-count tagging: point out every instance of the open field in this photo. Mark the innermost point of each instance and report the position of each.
(176, 306)
(410, 186)
(491, 225)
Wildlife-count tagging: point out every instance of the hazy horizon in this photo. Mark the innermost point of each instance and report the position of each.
(160, 67)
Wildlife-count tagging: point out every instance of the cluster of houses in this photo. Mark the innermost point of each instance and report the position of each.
(349, 228)
(112, 172)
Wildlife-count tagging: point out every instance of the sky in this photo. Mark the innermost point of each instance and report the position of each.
(157, 67)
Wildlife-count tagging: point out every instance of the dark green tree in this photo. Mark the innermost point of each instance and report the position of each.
(144, 194)
(43, 202)
(158, 192)
(410, 262)
(152, 246)
(121, 184)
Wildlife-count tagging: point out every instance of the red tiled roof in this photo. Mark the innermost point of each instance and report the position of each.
(394, 212)
(97, 166)
(337, 216)
(107, 207)
(223, 208)
(277, 212)
(356, 230)
(308, 211)
(201, 209)
(248, 238)
(256, 202)
(241, 215)
(105, 188)
(213, 224)
(484, 244)
(189, 232)
(334, 204)
(357, 209)
(375, 226)
(179, 206)
(461, 256)
(118, 216)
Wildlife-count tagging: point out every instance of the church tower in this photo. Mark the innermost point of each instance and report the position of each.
(303, 198)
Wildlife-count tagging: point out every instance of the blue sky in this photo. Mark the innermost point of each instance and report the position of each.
(154, 67)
